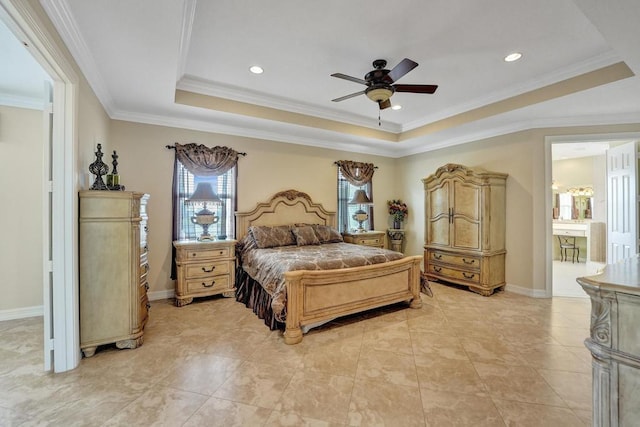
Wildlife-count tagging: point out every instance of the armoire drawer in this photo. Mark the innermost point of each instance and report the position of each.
(454, 274)
(465, 261)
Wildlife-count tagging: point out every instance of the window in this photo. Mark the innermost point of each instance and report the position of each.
(346, 191)
(225, 187)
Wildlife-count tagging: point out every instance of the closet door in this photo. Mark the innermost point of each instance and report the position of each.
(466, 216)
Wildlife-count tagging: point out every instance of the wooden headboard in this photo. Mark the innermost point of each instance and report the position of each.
(284, 208)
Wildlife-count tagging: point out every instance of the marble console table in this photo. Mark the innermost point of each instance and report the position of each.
(614, 343)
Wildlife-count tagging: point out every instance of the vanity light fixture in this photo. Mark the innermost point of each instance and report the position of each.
(512, 57)
(256, 69)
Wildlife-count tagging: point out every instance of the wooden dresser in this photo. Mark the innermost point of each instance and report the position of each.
(465, 227)
(113, 269)
(614, 343)
(204, 268)
(366, 238)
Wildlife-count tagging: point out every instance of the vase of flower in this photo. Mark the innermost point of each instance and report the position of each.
(398, 211)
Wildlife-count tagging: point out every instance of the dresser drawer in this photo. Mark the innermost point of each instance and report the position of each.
(206, 269)
(207, 285)
(209, 254)
(467, 262)
(452, 273)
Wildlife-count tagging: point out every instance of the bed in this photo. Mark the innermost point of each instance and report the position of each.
(314, 296)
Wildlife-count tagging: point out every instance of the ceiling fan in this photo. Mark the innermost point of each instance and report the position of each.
(380, 81)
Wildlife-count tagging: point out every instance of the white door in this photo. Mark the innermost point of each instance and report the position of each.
(621, 202)
(47, 256)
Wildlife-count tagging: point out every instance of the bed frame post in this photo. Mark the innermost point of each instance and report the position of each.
(416, 302)
(293, 331)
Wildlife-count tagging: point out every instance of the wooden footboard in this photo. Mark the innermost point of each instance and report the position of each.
(315, 296)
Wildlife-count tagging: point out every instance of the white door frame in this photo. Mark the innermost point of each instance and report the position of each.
(24, 21)
(548, 192)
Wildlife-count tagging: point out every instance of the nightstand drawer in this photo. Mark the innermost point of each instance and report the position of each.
(368, 241)
(209, 254)
(206, 269)
(207, 285)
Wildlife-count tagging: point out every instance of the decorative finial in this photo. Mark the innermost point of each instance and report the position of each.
(99, 169)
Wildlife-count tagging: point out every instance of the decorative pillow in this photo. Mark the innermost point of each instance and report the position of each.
(305, 236)
(269, 237)
(327, 234)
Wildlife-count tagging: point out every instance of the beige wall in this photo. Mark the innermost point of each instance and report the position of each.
(146, 165)
(21, 155)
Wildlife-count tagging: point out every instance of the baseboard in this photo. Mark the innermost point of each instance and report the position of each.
(166, 294)
(21, 313)
(533, 293)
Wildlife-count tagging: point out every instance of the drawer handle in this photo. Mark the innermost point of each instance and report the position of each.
(146, 248)
(437, 269)
(204, 285)
(437, 256)
(468, 262)
(148, 305)
(468, 276)
(194, 254)
(146, 229)
(209, 271)
(221, 252)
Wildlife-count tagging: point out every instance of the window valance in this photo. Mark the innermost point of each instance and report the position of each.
(356, 173)
(201, 160)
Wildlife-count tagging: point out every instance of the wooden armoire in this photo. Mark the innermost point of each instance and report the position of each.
(465, 227)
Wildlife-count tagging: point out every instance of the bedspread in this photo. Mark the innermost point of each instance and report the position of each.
(267, 266)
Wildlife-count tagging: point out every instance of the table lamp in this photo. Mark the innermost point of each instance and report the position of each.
(360, 198)
(204, 194)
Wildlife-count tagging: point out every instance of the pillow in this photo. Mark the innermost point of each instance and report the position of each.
(305, 236)
(269, 237)
(327, 234)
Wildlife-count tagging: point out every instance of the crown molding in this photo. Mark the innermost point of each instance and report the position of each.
(421, 145)
(206, 87)
(288, 133)
(188, 15)
(31, 103)
(591, 64)
(60, 14)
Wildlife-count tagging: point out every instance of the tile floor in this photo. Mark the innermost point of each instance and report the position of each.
(460, 360)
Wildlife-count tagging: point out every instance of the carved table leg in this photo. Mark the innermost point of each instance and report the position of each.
(183, 301)
(134, 343)
(89, 351)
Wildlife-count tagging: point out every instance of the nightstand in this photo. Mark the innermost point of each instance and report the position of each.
(366, 238)
(204, 268)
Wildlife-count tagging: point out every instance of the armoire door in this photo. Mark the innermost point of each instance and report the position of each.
(466, 215)
(438, 214)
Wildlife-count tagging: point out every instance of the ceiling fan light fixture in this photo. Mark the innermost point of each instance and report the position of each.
(256, 69)
(379, 94)
(512, 57)
(396, 107)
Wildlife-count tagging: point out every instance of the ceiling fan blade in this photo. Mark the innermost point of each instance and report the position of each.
(384, 104)
(342, 98)
(416, 88)
(400, 70)
(351, 79)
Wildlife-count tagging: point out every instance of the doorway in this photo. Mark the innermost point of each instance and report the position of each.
(57, 195)
(576, 203)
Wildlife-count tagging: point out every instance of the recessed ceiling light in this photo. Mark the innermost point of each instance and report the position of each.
(512, 57)
(256, 69)
(396, 107)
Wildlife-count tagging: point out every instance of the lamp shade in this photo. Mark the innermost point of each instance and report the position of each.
(204, 193)
(360, 198)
